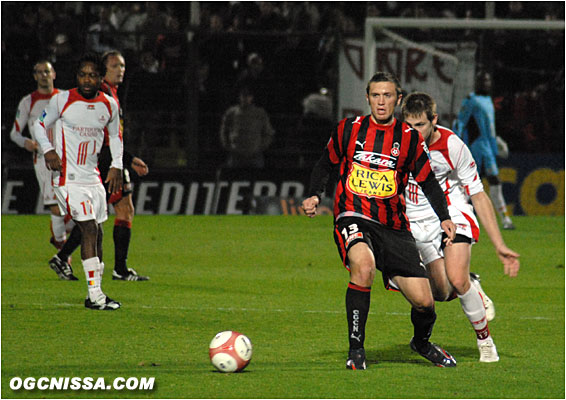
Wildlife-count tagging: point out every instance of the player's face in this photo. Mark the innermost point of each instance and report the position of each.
(422, 124)
(115, 69)
(88, 80)
(382, 99)
(44, 74)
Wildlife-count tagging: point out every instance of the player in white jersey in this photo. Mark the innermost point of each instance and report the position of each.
(29, 109)
(84, 114)
(456, 171)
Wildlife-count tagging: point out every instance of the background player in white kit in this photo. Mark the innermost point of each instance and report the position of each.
(456, 171)
(84, 114)
(29, 109)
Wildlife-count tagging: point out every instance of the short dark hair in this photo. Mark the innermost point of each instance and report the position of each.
(110, 53)
(42, 61)
(385, 77)
(95, 59)
(417, 103)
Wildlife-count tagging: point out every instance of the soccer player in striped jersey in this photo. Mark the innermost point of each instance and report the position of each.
(29, 109)
(375, 154)
(456, 171)
(84, 116)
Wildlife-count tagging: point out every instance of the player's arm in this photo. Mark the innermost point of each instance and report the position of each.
(319, 178)
(20, 122)
(47, 118)
(114, 178)
(322, 169)
(484, 209)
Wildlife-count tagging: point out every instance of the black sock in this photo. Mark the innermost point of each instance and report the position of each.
(423, 321)
(122, 234)
(357, 309)
(73, 241)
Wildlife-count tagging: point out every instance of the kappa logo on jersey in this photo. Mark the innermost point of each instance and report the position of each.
(395, 149)
(378, 159)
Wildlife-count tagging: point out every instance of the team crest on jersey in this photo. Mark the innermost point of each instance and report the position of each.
(43, 114)
(395, 149)
(372, 183)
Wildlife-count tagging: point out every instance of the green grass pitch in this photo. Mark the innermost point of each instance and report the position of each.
(279, 280)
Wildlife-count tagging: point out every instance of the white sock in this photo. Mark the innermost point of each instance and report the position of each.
(58, 228)
(474, 309)
(91, 267)
(496, 194)
(100, 272)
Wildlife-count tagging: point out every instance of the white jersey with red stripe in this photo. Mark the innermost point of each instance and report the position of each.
(79, 135)
(455, 170)
(29, 110)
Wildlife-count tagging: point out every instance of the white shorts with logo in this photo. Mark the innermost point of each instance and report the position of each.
(43, 176)
(83, 202)
(428, 232)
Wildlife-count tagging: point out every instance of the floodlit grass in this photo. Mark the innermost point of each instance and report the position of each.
(279, 280)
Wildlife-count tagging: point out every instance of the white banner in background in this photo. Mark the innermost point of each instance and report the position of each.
(448, 82)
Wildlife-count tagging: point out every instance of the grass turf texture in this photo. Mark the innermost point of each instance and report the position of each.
(279, 281)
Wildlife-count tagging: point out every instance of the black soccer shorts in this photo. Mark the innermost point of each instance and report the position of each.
(395, 252)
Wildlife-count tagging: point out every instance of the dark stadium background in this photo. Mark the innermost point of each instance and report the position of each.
(185, 60)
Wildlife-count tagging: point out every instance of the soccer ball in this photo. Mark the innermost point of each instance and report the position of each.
(230, 351)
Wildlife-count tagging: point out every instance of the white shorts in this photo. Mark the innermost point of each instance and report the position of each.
(428, 233)
(43, 176)
(83, 202)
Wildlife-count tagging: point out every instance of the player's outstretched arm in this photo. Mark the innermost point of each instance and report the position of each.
(309, 205)
(486, 213)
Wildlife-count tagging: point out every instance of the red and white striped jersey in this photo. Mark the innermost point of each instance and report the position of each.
(79, 135)
(455, 170)
(29, 109)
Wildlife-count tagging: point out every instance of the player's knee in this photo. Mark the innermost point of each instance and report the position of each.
(363, 274)
(493, 179)
(461, 284)
(124, 209)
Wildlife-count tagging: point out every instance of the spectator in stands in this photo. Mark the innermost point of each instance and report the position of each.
(246, 132)
(102, 34)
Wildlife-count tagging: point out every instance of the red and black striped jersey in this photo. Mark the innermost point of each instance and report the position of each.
(112, 91)
(374, 166)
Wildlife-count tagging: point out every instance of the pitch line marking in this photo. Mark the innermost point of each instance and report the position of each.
(277, 310)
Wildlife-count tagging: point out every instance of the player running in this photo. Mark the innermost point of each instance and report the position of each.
(375, 154)
(29, 110)
(455, 170)
(84, 115)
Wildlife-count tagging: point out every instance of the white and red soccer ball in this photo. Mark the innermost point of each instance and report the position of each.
(230, 351)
